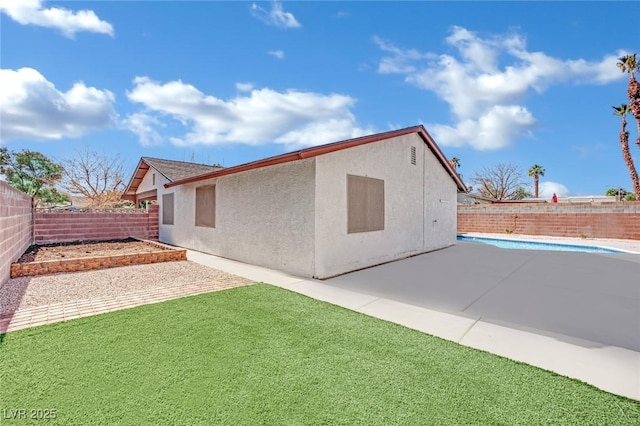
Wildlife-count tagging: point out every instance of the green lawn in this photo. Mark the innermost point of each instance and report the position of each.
(263, 355)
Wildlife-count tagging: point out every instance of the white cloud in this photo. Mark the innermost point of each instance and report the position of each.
(547, 188)
(485, 95)
(494, 130)
(244, 87)
(292, 118)
(33, 108)
(276, 17)
(143, 125)
(31, 12)
(402, 61)
(276, 53)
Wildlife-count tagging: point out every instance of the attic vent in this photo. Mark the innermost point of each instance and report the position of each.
(413, 155)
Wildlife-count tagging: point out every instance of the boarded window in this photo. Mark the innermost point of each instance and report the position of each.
(365, 204)
(206, 206)
(167, 209)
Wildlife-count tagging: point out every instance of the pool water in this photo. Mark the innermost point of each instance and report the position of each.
(534, 245)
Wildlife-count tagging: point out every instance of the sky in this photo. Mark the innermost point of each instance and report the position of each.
(231, 82)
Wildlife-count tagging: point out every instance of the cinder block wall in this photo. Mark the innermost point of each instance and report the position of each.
(56, 227)
(619, 220)
(16, 227)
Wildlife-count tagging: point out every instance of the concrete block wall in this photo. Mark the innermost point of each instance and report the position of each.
(619, 220)
(16, 227)
(57, 227)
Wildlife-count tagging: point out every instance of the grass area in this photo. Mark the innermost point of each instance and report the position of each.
(262, 355)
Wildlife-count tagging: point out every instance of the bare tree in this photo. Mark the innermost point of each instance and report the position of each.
(95, 176)
(502, 182)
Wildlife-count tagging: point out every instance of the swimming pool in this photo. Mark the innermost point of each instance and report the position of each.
(535, 245)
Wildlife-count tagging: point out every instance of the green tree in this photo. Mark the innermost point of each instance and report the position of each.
(619, 193)
(630, 65)
(622, 112)
(535, 172)
(521, 193)
(33, 173)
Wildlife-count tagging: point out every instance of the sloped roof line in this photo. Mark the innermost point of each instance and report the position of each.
(328, 148)
(175, 170)
(172, 170)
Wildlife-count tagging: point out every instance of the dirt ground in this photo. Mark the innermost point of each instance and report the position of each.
(86, 249)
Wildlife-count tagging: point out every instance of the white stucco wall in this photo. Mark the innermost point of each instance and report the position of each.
(147, 181)
(420, 205)
(263, 217)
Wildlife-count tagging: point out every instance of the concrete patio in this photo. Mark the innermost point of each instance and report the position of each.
(577, 314)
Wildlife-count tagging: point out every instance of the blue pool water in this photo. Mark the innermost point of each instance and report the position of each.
(534, 245)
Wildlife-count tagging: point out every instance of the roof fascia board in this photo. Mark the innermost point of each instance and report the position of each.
(325, 149)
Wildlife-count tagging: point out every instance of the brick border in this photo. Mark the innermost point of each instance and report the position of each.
(44, 267)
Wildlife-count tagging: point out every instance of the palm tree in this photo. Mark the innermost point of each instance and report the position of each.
(455, 163)
(630, 65)
(622, 111)
(535, 172)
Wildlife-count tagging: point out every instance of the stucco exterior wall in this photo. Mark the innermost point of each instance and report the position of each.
(440, 205)
(420, 205)
(264, 217)
(147, 181)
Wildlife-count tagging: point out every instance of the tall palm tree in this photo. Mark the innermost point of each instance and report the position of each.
(630, 65)
(622, 111)
(455, 163)
(535, 172)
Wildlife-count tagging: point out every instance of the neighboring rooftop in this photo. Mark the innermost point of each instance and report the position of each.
(177, 170)
(170, 169)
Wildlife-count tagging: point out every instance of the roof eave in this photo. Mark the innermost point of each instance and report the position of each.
(328, 148)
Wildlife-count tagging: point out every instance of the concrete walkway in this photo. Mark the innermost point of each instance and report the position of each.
(611, 368)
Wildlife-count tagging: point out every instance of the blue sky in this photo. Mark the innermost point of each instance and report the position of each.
(232, 82)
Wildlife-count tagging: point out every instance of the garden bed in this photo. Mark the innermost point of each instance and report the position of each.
(90, 255)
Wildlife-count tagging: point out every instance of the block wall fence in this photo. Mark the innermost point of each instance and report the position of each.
(21, 226)
(586, 220)
(59, 227)
(16, 227)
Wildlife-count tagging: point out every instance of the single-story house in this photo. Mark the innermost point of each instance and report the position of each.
(320, 211)
(152, 173)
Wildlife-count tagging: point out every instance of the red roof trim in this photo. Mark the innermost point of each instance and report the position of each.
(328, 148)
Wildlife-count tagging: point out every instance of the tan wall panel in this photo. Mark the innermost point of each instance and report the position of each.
(365, 204)
(167, 209)
(206, 206)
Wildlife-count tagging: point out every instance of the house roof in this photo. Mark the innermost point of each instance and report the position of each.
(170, 169)
(328, 148)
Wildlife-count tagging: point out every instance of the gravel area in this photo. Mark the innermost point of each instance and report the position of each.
(28, 292)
